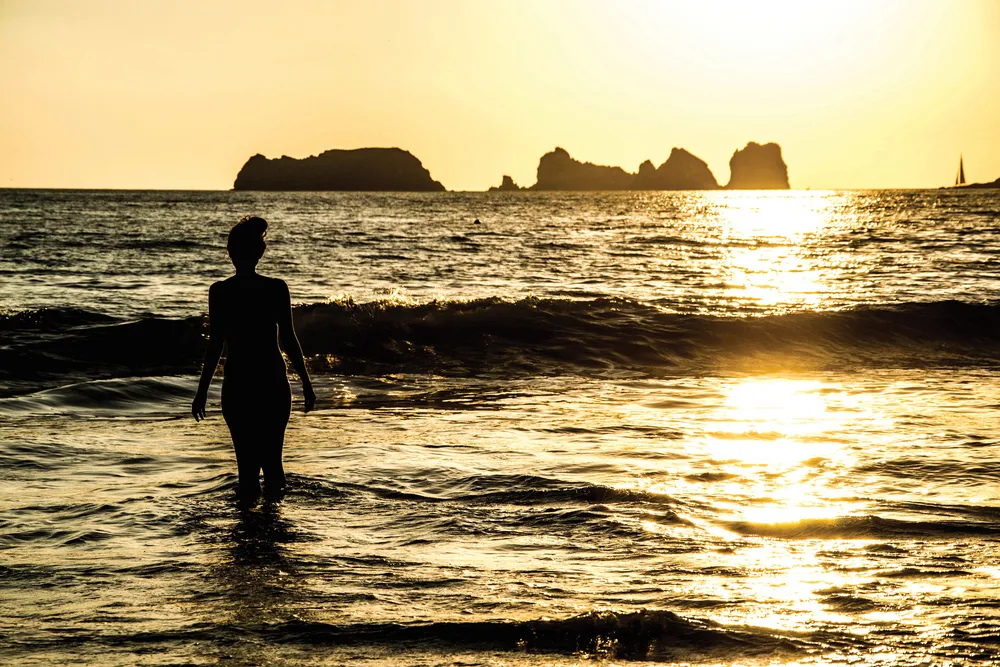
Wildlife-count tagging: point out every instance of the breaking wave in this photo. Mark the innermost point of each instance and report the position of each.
(637, 636)
(509, 338)
(867, 528)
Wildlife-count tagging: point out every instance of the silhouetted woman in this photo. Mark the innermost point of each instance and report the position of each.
(250, 313)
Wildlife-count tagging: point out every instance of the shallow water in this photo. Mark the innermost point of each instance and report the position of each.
(652, 427)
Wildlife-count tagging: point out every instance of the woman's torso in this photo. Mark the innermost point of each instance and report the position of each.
(250, 307)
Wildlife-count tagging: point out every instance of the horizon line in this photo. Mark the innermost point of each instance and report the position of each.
(487, 191)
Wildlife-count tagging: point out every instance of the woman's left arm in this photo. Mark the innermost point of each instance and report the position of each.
(290, 344)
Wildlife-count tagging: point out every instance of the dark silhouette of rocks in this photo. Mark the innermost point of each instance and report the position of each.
(507, 185)
(374, 169)
(558, 171)
(758, 167)
(979, 186)
(682, 171)
(392, 169)
(754, 167)
(647, 173)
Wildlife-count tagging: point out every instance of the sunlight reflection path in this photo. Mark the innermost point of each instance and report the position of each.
(765, 260)
(783, 439)
(779, 450)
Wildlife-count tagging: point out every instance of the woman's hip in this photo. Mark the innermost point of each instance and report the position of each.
(255, 401)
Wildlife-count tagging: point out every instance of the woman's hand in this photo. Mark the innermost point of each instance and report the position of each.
(309, 395)
(198, 406)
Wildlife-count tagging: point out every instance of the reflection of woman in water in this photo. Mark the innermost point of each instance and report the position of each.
(250, 314)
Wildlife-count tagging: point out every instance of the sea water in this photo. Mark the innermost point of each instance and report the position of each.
(722, 427)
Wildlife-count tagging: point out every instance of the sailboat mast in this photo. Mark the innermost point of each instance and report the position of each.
(960, 179)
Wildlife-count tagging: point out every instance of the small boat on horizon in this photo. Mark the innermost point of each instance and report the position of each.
(960, 179)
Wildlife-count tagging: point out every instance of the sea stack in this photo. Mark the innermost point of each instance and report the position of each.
(681, 171)
(755, 167)
(372, 169)
(558, 171)
(507, 184)
(758, 167)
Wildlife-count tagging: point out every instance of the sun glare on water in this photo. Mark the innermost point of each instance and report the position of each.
(782, 441)
(775, 433)
(763, 263)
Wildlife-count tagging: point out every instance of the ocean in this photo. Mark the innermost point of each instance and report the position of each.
(594, 428)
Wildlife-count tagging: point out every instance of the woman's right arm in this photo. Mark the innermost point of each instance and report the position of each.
(216, 338)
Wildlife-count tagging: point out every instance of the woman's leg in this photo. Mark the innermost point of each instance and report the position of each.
(271, 449)
(238, 410)
(248, 462)
(274, 471)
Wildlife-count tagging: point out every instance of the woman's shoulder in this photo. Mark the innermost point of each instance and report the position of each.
(277, 284)
(260, 286)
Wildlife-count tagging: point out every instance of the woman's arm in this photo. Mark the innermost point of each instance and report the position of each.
(290, 344)
(216, 338)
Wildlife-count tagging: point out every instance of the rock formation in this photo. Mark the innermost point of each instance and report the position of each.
(647, 173)
(558, 171)
(682, 171)
(758, 167)
(506, 185)
(385, 169)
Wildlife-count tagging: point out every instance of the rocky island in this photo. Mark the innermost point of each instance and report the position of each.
(682, 171)
(754, 167)
(373, 169)
(979, 186)
(758, 167)
(558, 171)
(507, 184)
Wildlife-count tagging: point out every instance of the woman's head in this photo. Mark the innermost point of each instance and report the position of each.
(246, 241)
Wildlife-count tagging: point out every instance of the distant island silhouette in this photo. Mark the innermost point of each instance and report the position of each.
(361, 169)
(758, 167)
(979, 186)
(507, 184)
(755, 167)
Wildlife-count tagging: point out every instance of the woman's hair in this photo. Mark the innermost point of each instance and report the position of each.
(246, 239)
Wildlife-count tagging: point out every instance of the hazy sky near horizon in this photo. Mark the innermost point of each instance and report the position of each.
(872, 93)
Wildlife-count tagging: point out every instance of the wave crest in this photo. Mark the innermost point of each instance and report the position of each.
(530, 336)
(645, 634)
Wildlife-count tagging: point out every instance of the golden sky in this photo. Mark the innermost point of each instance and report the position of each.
(178, 94)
